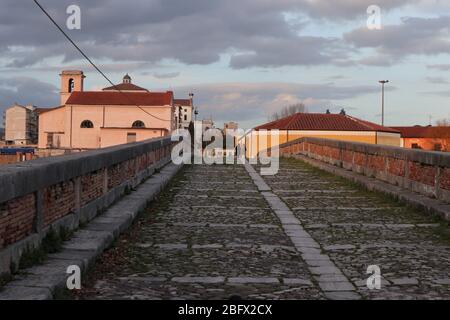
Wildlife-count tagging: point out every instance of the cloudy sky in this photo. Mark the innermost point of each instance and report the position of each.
(243, 59)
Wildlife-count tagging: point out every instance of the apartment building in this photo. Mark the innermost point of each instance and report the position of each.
(21, 125)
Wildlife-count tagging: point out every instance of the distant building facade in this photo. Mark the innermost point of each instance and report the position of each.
(329, 126)
(430, 138)
(21, 125)
(231, 136)
(230, 126)
(183, 112)
(120, 114)
(207, 124)
(13, 154)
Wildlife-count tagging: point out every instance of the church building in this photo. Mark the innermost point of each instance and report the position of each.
(119, 114)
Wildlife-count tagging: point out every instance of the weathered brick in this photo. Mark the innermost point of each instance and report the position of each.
(422, 173)
(18, 223)
(58, 201)
(444, 182)
(360, 159)
(347, 156)
(375, 162)
(91, 186)
(396, 167)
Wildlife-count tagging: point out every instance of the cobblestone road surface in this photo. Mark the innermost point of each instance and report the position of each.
(214, 234)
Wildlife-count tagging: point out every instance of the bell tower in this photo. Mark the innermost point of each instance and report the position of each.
(71, 80)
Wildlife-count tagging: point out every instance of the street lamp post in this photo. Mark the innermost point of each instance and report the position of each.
(383, 82)
(195, 113)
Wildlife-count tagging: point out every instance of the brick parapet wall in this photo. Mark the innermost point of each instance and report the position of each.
(37, 194)
(17, 219)
(425, 172)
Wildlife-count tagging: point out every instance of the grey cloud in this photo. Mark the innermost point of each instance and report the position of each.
(192, 32)
(280, 52)
(440, 67)
(336, 77)
(348, 9)
(427, 36)
(249, 101)
(168, 75)
(444, 93)
(437, 80)
(27, 91)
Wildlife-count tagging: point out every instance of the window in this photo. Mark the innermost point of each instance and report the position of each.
(437, 147)
(131, 137)
(71, 85)
(185, 117)
(49, 140)
(87, 124)
(415, 146)
(138, 124)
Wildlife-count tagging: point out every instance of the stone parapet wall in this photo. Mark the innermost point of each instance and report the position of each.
(424, 172)
(68, 190)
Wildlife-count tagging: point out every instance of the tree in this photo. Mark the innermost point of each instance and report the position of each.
(441, 134)
(443, 123)
(288, 111)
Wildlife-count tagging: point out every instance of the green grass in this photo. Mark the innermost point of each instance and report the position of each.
(4, 279)
(51, 243)
(363, 191)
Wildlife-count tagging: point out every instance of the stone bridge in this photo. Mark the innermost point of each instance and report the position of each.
(225, 231)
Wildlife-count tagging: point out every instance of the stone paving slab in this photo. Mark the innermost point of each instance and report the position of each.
(224, 230)
(230, 244)
(25, 293)
(357, 228)
(305, 244)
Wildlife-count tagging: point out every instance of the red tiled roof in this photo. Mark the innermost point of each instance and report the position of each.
(182, 102)
(42, 110)
(121, 98)
(325, 122)
(423, 132)
(125, 87)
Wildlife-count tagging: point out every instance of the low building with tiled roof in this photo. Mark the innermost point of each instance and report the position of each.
(431, 138)
(327, 122)
(95, 119)
(321, 125)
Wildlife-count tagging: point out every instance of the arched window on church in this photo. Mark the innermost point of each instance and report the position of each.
(71, 85)
(87, 124)
(138, 124)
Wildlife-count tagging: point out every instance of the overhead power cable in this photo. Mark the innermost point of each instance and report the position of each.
(92, 63)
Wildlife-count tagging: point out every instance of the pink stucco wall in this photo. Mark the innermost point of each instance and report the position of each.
(114, 136)
(111, 124)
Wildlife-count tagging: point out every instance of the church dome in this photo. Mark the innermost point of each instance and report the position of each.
(127, 79)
